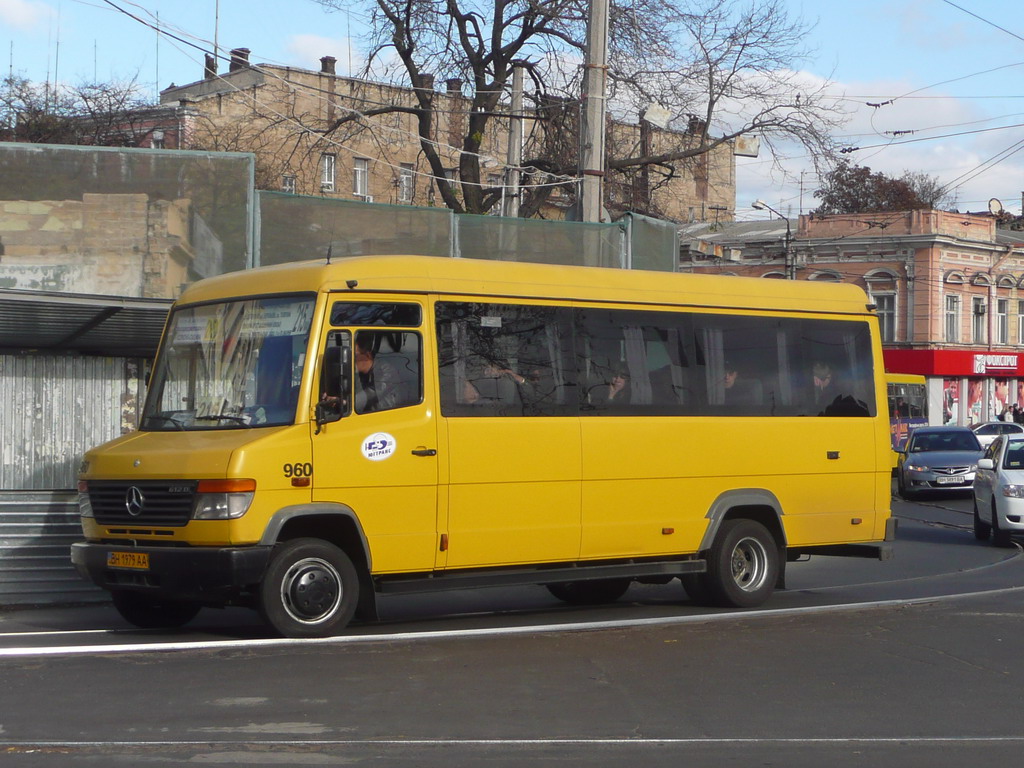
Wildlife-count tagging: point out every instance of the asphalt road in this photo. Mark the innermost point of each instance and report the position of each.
(914, 661)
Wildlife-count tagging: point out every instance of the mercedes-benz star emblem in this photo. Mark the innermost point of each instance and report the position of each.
(133, 500)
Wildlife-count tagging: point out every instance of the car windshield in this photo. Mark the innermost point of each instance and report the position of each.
(230, 365)
(945, 441)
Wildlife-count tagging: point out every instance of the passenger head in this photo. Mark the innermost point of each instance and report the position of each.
(363, 354)
(730, 375)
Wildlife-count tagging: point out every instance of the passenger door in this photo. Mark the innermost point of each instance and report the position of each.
(512, 437)
(380, 457)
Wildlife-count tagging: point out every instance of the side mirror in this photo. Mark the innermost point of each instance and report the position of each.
(335, 384)
(986, 464)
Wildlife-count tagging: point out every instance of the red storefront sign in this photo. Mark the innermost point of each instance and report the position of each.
(954, 362)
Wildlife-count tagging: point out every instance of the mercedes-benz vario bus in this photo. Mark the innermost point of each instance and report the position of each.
(319, 434)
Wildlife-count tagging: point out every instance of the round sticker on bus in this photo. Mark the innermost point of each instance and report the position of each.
(379, 446)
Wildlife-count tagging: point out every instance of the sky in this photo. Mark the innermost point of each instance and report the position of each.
(947, 72)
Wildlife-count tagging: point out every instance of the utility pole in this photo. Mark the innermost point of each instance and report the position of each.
(592, 134)
(510, 198)
(787, 255)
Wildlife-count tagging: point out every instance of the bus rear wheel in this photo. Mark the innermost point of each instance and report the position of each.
(149, 612)
(590, 592)
(310, 589)
(743, 564)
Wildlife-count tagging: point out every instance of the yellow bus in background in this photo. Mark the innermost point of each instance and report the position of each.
(318, 434)
(908, 408)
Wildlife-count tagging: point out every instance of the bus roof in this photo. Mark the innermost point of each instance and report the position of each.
(517, 280)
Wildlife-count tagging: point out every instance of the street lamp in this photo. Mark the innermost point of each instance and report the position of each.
(761, 205)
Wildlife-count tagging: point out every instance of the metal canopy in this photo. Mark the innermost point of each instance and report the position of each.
(92, 325)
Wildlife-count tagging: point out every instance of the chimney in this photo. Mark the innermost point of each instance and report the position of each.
(327, 65)
(426, 82)
(454, 86)
(210, 69)
(239, 59)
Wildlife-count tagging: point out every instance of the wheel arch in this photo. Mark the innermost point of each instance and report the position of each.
(334, 523)
(756, 504)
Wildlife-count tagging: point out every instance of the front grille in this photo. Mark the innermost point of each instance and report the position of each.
(951, 470)
(146, 502)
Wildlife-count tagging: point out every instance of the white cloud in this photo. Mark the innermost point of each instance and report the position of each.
(309, 49)
(25, 14)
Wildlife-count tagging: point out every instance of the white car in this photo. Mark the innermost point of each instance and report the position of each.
(999, 491)
(990, 430)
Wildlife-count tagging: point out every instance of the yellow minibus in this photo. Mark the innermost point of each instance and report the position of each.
(318, 434)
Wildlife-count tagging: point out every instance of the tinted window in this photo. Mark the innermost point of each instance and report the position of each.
(504, 360)
(361, 313)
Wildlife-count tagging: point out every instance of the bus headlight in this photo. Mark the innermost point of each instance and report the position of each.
(1013, 491)
(223, 499)
(84, 502)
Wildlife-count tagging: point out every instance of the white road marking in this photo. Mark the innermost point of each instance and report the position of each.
(536, 629)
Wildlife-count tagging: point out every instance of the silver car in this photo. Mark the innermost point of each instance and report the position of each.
(937, 459)
(999, 491)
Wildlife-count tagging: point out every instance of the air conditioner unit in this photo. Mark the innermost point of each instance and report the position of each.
(367, 198)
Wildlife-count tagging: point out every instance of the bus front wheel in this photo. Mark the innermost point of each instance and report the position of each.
(310, 589)
(743, 564)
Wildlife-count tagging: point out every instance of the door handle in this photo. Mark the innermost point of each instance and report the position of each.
(424, 452)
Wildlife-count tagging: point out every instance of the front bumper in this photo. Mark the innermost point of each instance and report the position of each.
(932, 481)
(213, 575)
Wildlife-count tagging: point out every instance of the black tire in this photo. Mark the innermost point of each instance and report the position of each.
(1000, 538)
(743, 564)
(698, 588)
(310, 589)
(148, 612)
(982, 530)
(590, 592)
(902, 487)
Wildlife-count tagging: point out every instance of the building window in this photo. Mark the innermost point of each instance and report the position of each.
(406, 183)
(328, 167)
(1020, 322)
(953, 318)
(288, 184)
(1002, 321)
(361, 177)
(978, 320)
(886, 303)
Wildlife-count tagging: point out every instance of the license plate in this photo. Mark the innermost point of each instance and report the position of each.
(137, 560)
(950, 480)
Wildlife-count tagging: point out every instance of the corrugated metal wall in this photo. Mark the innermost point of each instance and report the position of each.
(37, 529)
(52, 409)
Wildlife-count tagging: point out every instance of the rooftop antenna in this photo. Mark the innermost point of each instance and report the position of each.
(330, 246)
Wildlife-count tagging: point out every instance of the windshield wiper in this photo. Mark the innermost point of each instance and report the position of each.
(225, 417)
(168, 417)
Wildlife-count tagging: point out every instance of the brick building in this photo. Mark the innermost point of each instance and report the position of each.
(949, 288)
(279, 114)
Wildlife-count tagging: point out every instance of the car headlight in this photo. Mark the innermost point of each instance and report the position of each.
(974, 468)
(916, 468)
(1014, 491)
(84, 502)
(223, 499)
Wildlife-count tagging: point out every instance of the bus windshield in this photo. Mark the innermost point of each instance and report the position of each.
(230, 365)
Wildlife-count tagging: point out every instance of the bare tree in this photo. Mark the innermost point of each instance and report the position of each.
(724, 69)
(99, 114)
